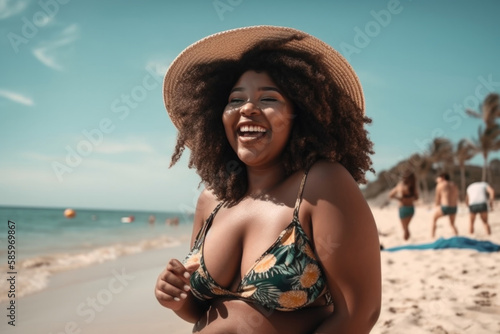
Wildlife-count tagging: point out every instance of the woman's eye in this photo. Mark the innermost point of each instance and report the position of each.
(269, 99)
(235, 100)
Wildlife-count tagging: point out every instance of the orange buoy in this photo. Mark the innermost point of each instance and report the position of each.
(69, 213)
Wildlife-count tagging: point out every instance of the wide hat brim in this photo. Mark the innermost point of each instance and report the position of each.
(232, 44)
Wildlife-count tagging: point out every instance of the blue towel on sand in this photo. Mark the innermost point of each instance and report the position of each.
(455, 242)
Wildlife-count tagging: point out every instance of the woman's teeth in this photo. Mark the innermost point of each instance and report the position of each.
(252, 128)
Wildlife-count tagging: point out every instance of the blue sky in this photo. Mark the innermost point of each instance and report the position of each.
(84, 77)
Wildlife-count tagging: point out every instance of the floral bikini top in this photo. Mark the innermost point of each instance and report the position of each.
(286, 277)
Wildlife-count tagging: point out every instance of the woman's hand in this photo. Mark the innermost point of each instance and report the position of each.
(173, 285)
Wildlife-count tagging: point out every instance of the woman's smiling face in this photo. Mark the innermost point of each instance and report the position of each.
(257, 119)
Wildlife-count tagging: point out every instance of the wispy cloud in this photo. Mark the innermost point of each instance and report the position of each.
(16, 97)
(51, 53)
(124, 147)
(159, 66)
(112, 177)
(10, 8)
(37, 156)
(371, 78)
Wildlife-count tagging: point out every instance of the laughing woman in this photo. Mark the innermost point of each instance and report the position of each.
(283, 241)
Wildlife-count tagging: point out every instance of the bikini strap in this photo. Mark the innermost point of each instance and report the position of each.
(216, 209)
(299, 196)
(200, 237)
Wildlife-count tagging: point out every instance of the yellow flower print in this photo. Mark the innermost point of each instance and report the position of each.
(195, 258)
(201, 272)
(310, 275)
(308, 251)
(288, 238)
(292, 299)
(218, 291)
(248, 291)
(266, 263)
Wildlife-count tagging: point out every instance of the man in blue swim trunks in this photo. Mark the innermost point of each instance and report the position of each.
(478, 196)
(446, 202)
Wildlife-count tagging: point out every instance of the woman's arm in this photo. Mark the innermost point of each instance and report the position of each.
(173, 285)
(346, 243)
(394, 191)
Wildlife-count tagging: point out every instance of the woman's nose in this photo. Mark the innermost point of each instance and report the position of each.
(250, 108)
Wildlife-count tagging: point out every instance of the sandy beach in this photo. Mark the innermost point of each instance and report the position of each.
(113, 297)
(446, 291)
(424, 291)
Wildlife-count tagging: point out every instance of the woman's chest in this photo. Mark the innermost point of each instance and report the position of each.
(237, 239)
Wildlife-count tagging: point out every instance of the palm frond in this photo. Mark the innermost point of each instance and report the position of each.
(490, 110)
(473, 113)
(466, 150)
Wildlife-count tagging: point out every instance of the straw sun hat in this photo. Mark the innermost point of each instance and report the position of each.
(232, 44)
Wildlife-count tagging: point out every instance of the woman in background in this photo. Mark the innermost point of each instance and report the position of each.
(406, 193)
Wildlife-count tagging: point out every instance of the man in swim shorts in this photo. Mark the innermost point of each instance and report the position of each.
(446, 201)
(477, 198)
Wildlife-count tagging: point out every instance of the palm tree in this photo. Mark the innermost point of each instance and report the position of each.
(494, 168)
(490, 110)
(421, 165)
(441, 153)
(466, 150)
(487, 141)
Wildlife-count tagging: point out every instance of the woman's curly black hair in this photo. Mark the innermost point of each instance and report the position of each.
(327, 124)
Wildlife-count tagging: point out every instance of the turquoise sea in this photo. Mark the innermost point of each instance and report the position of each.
(47, 242)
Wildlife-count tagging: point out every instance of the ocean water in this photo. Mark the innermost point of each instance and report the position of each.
(47, 242)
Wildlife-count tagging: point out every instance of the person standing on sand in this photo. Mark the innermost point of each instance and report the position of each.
(477, 198)
(446, 201)
(406, 193)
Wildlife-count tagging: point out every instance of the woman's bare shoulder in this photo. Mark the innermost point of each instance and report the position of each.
(207, 201)
(204, 206)
(331, 191)
(324, 175)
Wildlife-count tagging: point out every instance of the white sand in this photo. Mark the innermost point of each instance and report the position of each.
(92, 300)
(438, 291)
(444, 291)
